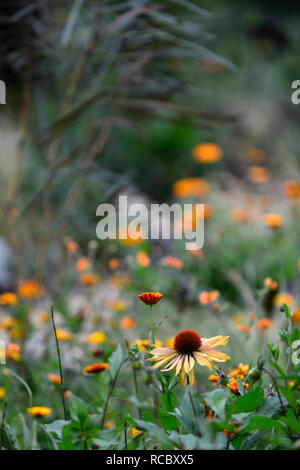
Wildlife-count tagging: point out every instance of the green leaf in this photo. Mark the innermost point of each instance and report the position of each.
(290, 396)
(287, 311)
(56, 427)
(157, 432)
(262, 423)
(169, 401)
(115, 361)
(240, 386)
(79, 411)
(216, 400)
(247, 403)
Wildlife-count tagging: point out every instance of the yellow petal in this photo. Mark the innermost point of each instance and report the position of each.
(203, 361)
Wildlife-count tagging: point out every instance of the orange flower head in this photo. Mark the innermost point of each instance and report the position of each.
(96, 368)
(114, 263)
(89, 279)
(63, 335)
(82, 264)
(127, 323)
(172, 262)
(270, 284)
(72, 246)
(30, 289)
(208, 297)
(187, 341)
(232, 385)
(258, 174)
(283, 298)
(39, 411)
(13, 352)
(240, 215)
(273, 220)
(207, 153)
(97, 337)
(244, 328)
(170, 342)
(134, 432)
(54, 378)
(150, 298)
(143, 259)
(214, 378)
(264, 324)
(129, 239)
(296, 315)
(292, 189)
(8, 298)
(187, 187)
(2, 392)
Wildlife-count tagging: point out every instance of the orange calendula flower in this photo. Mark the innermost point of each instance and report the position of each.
(188, 349)
(39, 411)
(8, 298)
(134, 432)
(54, 378)
(114, 263)
(96, 368)
(292, 189)
(2, 392)
(214, 378)
(172, 262)
(296, 315)
(207, 153)
(143, 259)
(63, 335)
(264, 324)
(244, 328)
(89, 279)
(82, 264)
(7, 323)
(208, 297)
(144, 344)
(30, 289)
(283, 298)
(258, 174)
(127, 323)
(72, 246)
(270, 284)
(232, 385)
(273, 220)
(239, 372)
(187, 187)
(150, 298)
(13, 352)
(97, 337)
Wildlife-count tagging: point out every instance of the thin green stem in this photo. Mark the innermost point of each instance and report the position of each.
(152, 325)
(62, 388)
(110, 393)
(125, 434)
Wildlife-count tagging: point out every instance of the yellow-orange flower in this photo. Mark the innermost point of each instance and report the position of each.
(270, 284)
(172, 262)
(72, 246)
(188, 349)
(13, 351)
(170, 342)
(97, 337)
(283, 298)
(89, 279)
(129, 239)
(264, 324)
(232, 385)
(292, 189)
(134, 432)
(82, 264)
(127, 323)
(143, 259)
(207, 153)
(239, 372)
(258, 174)
(8, 298)
(244, 328)
(30, 289)
(208, 297)
(114, 263)
(296, 315)
(54, 378)
(39, 411)
(7, 323)
(150, 298)
(144, 344)
(63, 335)
(96, 368)
(240, 215)
(116, 304)
(273, 220)
(214, 378)
(187, 187)
(2, 392)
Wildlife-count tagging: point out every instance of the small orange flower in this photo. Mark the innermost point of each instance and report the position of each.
(170, 342)
(244, 328)
(207, 153)
(95, 368)
(296, 315)
(240, 215)
(97, 337)
(72, 246)
(129, 239)
(54, 378)
(214, 378)
(239, 372)
(208, 297)
(2, 392)
(39, 411)
(264, 324)
(89, 279)
(8, 298)
(116, 304)
(273, 220)
(114, 263)
(143, 259)
(258, 174)
(283, 298)
(7, 323)
(150, 298)
(172, 262)
(144, 344)
(232, 385)
(272, 285)
(292, 189)
(82, 264)
(30, 289)
(134, 432)
(12, 352)
(186, 187)
(63, 335)
(127, 323)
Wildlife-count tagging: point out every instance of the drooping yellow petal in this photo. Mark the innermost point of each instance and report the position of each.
(192, 362)
(172, 364)
(163, 361)
(202, 360)
(179, 365)
(186, 364)
(216, 356)
(191, 376)
(210, 343)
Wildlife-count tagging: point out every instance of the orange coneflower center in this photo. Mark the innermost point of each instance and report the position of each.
(187, 341)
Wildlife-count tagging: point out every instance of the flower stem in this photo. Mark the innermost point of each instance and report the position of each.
(62, 388)
(110, 393)
(194, 409)
(152, 325)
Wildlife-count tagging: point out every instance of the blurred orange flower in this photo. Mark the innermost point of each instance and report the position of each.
(127, 323)
(244, 328)
(232, 385)
(143, 259)
(258, 174)
(8, 298)
(127, 239)
(63, 335)
(116, 304)
(272, 285)
(208, 297)
(30, 289)
(256, 155)
(186, 187)
(82, 264)
(72, 246)
(273, 220)
(113, 263)
(240, 215)
(95, 368)
(97, 337)
(207, 153)
(172, 262)
(296, 315)
(89, 279)
(39, 411)
(13, 351)
(283, 298)
(264, 324)
(54, 378)
(292, 189)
